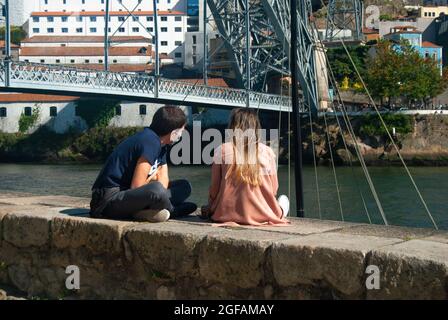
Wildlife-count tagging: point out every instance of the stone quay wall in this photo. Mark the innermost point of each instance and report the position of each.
(40, 236)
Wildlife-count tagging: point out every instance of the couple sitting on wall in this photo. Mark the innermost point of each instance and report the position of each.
(134, 183)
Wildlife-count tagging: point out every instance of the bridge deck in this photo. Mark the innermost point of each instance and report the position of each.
(57, 79)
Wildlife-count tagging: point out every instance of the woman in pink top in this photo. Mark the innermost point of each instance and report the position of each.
(244, 181)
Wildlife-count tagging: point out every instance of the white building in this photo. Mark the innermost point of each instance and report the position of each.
(127, 53)
(20, 10)
(172, 27)
(59, 113)
(194, 41)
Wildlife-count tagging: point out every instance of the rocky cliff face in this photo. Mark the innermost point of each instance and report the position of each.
(426, 144)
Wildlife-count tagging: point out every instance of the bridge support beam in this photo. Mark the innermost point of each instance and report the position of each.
(157, 57)
(205, 44)
(343, 16)
(7, 45)
(296, 127)
(106, 37)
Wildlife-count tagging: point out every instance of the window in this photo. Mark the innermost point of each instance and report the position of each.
(115, 61)
(150, 29)
(92, 19)
(149, 19)
(178, 29)
(3, 112)
(50, 19)
(53, 111)
(142, 109)
(72, 61)
(178, 55)
(135, 29)
(118, 110)
(64, 30)
(135, 19)
(164, 19)
(64, 19)
(50, 30)
(121, 29)
(58, 61)
(83, 1)
(36, 30)
(28, 111)
(87, 61)
(194, 60)
(42, 60)
(64, 2)
(35, 19)
(194, 39)
(100, 61)
(177, 43)
(79, 19)
(78, 30)
(164, 29)
(164, 43)
(92, 30)
(177, 19)
(121, 19)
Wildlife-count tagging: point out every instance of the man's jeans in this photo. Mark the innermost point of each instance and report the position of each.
(115, 204)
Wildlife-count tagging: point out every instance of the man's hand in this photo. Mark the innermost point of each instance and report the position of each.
(162, 176)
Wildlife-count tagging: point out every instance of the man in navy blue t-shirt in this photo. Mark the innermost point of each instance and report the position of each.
(134, 182)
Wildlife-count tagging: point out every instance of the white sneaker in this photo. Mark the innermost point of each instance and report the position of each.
(151, 215)
(283, 201)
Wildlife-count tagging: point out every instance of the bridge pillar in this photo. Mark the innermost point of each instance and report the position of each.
(157, 62)
(7, 45)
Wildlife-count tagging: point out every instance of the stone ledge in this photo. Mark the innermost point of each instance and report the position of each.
(190, 259)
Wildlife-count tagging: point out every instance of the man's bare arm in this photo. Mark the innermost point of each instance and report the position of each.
(141, 172)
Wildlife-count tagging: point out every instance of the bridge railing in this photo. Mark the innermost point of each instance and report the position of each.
(122, 82)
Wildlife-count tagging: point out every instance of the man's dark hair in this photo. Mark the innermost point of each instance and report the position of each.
(167, 119)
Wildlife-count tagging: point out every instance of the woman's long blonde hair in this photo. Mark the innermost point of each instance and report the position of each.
(245, 128)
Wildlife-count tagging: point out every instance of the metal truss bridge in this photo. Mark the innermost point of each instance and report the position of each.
(57, 79)
(257, 38)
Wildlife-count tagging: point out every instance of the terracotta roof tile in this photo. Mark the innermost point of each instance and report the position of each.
(29, 97)
(213, 82)
(116, 67)
(2, 44)
(67, 39)
(427, 44)
(82, 51)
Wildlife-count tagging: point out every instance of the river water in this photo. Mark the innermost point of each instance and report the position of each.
(398, 198)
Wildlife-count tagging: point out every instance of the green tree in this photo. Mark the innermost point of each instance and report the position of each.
(17, 34)
(343, 67)
(28, 122)
(399, 71)
(97, 112)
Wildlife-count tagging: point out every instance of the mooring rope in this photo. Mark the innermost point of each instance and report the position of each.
(335, 86)
(361, 79)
